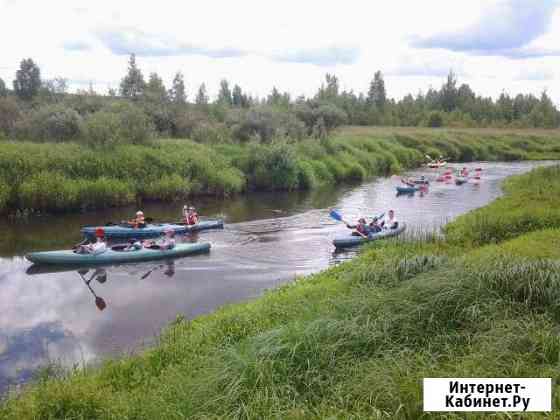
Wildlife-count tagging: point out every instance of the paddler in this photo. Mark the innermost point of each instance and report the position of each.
(96, 248)
(361, 228)
(139, 221)
(190, 216)
(390, 221)
(167, 241)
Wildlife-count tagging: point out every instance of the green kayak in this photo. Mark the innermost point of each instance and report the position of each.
(116, 255)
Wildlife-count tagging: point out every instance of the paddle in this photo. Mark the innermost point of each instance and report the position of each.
(79, 244)
(99, 301)
(150, 272)
(337, 216)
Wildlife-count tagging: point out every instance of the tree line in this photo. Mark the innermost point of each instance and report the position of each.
(143, 108)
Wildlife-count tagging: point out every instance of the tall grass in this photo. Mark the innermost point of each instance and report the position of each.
(354, 341)
(173, 169)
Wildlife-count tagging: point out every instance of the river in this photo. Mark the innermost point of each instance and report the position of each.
(269, 239)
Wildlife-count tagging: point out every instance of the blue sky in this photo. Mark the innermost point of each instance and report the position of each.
(493, 45)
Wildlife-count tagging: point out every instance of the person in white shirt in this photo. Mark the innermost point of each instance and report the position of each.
(390, 221)
(96, 248)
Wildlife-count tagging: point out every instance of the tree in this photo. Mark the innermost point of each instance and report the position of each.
(224, 96)
(53, 90)
(155, 89)
(28, 80)
(133, 84)
(3, 90)
(240, 99)
(449, 93)
(329, 92)
(201, 96)
(178, 91)
(376, 94)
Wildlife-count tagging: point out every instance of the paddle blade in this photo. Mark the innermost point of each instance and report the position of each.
(100, 303)
(335, 215)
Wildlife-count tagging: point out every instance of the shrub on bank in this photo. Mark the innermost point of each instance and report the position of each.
(4, 197)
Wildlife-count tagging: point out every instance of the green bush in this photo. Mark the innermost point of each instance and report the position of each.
(49, 191)
(4, 197)
(435, 120)
(168, 188)
(54, 123)
(102, 130)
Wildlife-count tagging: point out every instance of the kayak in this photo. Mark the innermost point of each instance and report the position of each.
(151, 230)
(347, 242)
(116, 255)
(436, 164)
(407, 190)
(460, 180)
(421, 182)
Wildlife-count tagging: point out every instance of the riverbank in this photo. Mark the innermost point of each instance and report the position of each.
(61, 177)
(355, 339)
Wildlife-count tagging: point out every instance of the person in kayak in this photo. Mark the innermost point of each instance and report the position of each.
(96, 248)
(191, 216)
(361, 228)
(133, 245)
(374, 226)
(167, 241)
(390, 221)
(139, 221)
(464, 172)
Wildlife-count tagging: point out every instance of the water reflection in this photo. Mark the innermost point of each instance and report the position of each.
(56, 313)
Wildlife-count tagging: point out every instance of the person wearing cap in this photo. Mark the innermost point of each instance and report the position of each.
(96, 248)
(190, 216)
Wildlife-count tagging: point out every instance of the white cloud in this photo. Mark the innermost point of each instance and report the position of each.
(289, 44)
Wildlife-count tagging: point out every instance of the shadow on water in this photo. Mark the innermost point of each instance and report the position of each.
(77, 315)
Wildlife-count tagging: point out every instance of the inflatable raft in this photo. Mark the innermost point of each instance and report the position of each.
(151, 230)
(116, 255)
(350, 241)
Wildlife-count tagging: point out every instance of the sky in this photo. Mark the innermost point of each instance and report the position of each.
(493, 45)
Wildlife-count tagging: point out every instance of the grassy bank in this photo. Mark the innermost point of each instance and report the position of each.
(59, 177)
(357, 339)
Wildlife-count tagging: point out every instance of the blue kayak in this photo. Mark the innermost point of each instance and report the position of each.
(151, 230)
(407, 190)
(116, 255)
(350, 241)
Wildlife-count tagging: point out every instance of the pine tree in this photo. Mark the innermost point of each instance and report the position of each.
(3, 90)
(155, 89)
(237, 96)
(201, 96)
(28, 80)
(178, 91)
(133, 84)
(449, 94)
(224, 96)
(377, 95)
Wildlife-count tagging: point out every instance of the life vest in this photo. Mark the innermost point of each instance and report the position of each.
(191, 219)
(140, 221)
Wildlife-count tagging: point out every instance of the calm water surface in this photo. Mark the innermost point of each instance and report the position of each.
(268, 240)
